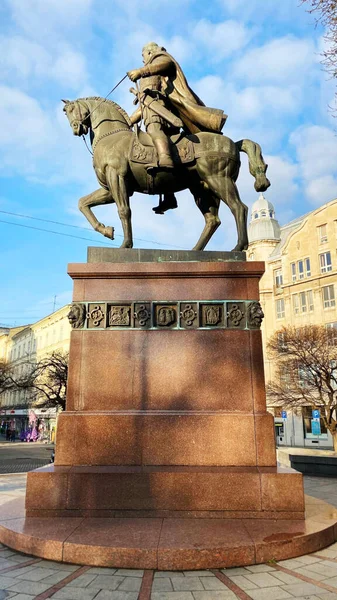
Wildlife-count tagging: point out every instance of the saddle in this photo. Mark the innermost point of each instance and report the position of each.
(142, 150)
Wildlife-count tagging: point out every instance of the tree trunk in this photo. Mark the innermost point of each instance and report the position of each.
(334, 438)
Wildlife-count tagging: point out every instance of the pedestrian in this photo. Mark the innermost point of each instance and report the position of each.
(13, 435)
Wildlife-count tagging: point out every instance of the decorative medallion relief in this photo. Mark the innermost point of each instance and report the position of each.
(193, 314)
(96, 315)
(235, 315)
(119, 316)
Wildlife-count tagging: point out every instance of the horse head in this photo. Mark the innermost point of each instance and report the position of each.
(77, 113)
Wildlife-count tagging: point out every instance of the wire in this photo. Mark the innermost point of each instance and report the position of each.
(81, 227)
(55, 232)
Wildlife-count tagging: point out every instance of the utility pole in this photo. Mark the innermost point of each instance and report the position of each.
(54, 303)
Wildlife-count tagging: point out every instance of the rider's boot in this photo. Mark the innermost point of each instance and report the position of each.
(162, 146)
(169, 202)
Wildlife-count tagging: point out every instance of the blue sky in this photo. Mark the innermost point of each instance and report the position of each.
(258, 60)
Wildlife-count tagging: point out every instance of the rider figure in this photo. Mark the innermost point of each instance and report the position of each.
(162, 78)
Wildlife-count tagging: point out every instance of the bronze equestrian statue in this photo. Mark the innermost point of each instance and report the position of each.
(181, 149)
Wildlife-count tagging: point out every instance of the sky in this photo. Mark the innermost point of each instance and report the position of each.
(258, 60)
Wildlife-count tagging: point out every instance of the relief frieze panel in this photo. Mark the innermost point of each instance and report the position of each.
(172, 315)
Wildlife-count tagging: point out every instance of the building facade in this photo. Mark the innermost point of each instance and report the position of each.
(299, 287)
(23, 347)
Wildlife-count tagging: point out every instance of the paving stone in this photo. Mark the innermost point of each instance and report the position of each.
(7, 553)
(82, 581)
(51, 564)
(186, 584)
(213, 583)
(214, 595)
(19, 571)
(275, 593)
(131, 584)
(263, 579)
(235, 572)
(173, 596)
(243, 582)
(4, 594)
(6, 582)
(285, 578)
(102, 571)
(197, 574)
(311, 574)
(23, 597)
(72, 593)
(327, 553)
(36, 574)
(162, 584)
(117, 595)
(308, 560)
(328, 596)
(30, 587)
(130, 572)
(325, 567)
(107, 582)
(56, 578)
(302, 589)
(7, 563)
(20, 558)
(260, 568)
(290, 563)
(169, 574)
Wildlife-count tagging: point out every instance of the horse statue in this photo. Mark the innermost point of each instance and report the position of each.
(125, 161)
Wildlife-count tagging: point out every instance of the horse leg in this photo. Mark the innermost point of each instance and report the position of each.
(208, 204)
(116, 182)
(225, 189)
(100, 196)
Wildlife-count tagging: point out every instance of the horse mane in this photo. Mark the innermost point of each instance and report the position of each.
(114, 104)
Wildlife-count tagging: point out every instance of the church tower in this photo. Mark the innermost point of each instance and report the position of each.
(263, 230)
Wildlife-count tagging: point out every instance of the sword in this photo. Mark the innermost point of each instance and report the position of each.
(159, 109)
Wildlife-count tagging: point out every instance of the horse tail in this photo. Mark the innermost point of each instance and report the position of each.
(257, 166)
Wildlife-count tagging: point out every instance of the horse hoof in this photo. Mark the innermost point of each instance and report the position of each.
(109, 232)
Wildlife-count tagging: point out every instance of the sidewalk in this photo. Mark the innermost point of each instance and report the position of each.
(310, 577)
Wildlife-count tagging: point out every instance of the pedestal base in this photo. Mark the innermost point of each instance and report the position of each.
(167, 544)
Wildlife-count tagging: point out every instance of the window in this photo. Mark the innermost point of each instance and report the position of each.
(303, 301)
(325, 262)
(263, 213)
(256, 216)
(280, 312)
(322, 234)
(281, 342)
(307, 267)
(310, 300)
(296, 305)
(278, 277)
(328, 296)
(300, 268)
(271, 214)
(293, 271)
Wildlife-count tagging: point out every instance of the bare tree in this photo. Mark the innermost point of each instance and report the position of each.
(306, 371)
(6, 376)
(325, 12)
(46, 381)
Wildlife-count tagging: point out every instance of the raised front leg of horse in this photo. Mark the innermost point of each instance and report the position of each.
(100, 196)
(208, 204)
(117, 186)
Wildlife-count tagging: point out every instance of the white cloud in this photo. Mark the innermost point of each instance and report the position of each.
(28, 60)
(316, 150)
(47, 19)
(284, 60)
(220, 40)
(322, 189)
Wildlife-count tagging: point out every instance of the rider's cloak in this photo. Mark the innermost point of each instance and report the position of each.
(191, 110)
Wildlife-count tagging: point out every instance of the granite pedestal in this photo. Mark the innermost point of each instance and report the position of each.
(166, 428)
